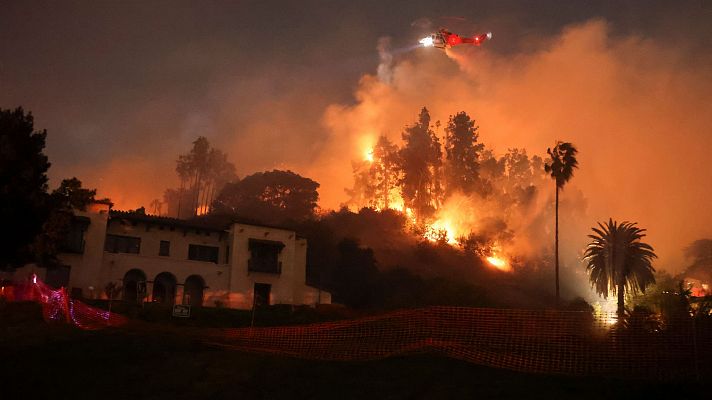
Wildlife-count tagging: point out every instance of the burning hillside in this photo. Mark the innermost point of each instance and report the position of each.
(624, 101)
(453, 190)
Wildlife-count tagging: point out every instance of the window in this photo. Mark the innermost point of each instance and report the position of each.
(227, 254)
(264, 256)
(122, 244)
(203, 253)
(73, 241)
(165, 248)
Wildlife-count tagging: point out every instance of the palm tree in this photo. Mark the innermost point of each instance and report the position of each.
(561, 167)
(616, 259)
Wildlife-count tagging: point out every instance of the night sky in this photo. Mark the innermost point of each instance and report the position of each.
(124, 87)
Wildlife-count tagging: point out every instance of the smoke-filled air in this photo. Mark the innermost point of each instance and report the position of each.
(626, 103)
(451, 143)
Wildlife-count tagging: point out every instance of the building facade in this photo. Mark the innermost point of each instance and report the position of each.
(172, 261)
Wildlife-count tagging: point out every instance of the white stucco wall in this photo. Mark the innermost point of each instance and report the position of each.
(228, 282)
(243, 282)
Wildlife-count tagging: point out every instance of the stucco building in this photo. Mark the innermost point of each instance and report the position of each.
(174, 261)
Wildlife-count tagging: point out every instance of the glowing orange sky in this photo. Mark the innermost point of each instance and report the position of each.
(639, 109)
(638, 112)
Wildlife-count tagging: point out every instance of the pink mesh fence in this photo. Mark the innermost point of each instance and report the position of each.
(57, 306)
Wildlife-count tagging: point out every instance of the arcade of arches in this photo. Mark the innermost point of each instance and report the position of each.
(163, 288)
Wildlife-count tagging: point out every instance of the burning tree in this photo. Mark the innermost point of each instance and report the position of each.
(420, 162)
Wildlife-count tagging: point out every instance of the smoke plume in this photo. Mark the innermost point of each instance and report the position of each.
(638, 110)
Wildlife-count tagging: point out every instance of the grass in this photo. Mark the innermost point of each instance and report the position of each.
(57, 361)
(275, 315)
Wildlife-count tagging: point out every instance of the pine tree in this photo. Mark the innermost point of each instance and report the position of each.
(420, 163)
(462, 155)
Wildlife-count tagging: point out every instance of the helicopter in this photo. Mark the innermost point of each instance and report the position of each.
(444, 39)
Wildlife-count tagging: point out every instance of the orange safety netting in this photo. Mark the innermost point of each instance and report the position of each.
(57, 306)
(560, 342)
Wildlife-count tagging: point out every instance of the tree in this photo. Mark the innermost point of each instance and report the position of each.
(156, 207)
(23, 183)
(375, 177)
(462, 155)
(362, 194)
(356, 276)
(561, 168)
(384, 172)
(616, 258)
(71, 195)
(176, 201)
(518, 169)
(270, 197)
(421, 159)
(203, 172)
(63, 201)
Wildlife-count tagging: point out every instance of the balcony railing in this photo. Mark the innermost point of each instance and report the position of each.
(265, 266)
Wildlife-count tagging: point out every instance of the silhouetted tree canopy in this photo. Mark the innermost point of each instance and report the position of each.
(23, 183)
(270, 197)
(384, 172)
(203, 173)
(70, 194)
(421, 160)
(69, 197)
(617, 259)
(462, 154)
(356, 278)
(560, 165)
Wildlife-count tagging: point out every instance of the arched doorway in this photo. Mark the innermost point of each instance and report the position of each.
(193, 291)
(134, 286)
(164, 288)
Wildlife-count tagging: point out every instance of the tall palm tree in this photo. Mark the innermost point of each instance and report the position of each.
(561, 168)
(616, 259)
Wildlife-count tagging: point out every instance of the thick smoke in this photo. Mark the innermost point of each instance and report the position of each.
(385, 67)
(639, 112)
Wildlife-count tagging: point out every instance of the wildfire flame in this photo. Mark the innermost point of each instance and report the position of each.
(499, 263)
(454, 220)
(439, 227)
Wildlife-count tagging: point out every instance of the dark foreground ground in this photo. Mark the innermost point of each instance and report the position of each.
(41, 361)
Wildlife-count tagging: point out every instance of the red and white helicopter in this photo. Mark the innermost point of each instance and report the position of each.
(444, 39)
